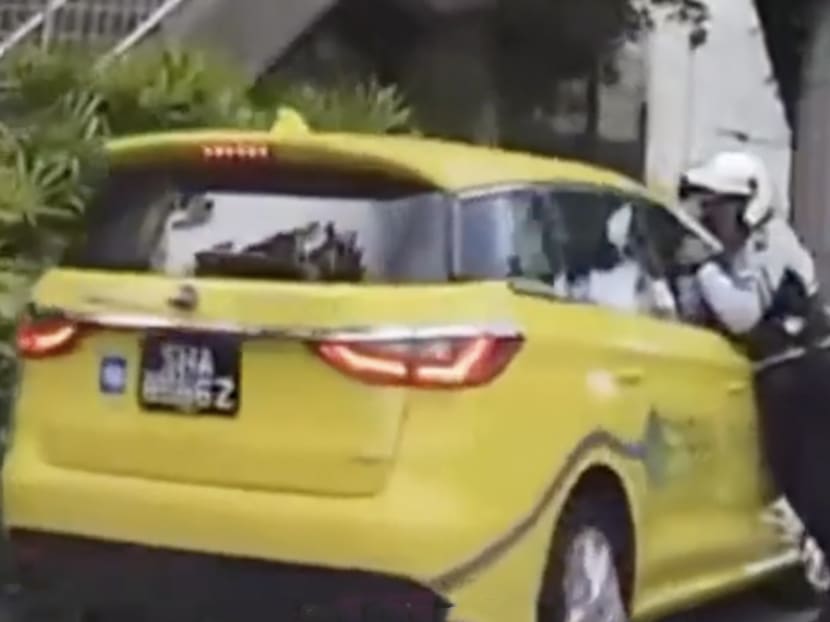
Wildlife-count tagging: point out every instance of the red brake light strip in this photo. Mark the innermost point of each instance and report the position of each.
(236, 151)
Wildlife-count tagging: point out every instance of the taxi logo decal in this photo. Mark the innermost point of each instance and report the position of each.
(112, 375)
(666, 450)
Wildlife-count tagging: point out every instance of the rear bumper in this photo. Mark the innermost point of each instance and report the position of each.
(129, 582)
(413, 533)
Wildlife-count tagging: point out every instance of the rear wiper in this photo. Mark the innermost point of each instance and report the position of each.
(113, 303)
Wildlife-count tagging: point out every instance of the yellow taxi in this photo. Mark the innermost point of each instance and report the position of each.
(303, 376)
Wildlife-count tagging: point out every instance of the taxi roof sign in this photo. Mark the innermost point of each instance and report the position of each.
(289, 121)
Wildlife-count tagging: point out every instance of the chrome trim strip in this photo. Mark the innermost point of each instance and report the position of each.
(478, 192)
(634, 193)
(456, 237)
(130, 306)
(309, 333)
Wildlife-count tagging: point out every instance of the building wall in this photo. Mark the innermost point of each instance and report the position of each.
(698, 99)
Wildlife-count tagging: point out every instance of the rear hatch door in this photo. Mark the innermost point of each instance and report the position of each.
(181, 329)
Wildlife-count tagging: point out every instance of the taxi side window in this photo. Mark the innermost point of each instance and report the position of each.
(584, 215)
(609, 258)
(669, 236)
(509, 234)
(580, 244)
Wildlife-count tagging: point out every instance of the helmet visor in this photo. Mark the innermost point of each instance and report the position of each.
(703, 202)
(720, 214)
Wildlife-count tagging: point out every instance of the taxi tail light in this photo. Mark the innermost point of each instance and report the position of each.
(441, 363)
(46, 337)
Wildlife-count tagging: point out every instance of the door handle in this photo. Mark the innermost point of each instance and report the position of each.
(185, 299)
(630, 376)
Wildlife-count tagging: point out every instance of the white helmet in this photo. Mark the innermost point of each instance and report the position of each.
(735, 173)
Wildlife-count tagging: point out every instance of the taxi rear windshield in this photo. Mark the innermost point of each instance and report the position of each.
(264, 221)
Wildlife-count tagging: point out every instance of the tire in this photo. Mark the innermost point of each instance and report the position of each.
(597, 525)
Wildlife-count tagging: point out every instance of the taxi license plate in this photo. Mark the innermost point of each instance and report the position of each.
(190, 373)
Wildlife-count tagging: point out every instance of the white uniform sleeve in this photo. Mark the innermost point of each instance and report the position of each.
(740, 300)
(736, 302)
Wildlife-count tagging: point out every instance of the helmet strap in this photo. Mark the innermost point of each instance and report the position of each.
(765, 220)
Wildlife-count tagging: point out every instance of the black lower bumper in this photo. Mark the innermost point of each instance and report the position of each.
(61, 576)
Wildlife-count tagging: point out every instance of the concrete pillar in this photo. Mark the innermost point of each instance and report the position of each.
(669, 97)
(707, 100)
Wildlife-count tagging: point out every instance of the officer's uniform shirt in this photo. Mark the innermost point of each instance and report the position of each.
(768, 293)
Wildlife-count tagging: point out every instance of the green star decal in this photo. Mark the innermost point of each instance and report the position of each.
(657, 449)
(669, 448)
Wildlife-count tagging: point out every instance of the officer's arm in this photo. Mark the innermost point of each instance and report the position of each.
(738, 303)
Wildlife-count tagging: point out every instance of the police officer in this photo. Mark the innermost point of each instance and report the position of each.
(762, 290)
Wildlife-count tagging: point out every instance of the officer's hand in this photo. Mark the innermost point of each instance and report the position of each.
(693, 252)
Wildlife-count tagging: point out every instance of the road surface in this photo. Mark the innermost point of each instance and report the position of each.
(744, 609)
(748, 608)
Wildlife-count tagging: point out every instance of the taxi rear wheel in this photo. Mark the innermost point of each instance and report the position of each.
(590, 568)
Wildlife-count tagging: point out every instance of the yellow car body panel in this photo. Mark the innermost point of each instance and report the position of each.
(459, 490)
(458, 167)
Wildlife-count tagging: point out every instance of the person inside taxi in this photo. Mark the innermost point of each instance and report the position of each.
(763, 291)
(612, 273)
(621, 282)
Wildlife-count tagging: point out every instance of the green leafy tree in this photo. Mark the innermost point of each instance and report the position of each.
(538, 39)
(65, 104)
(357, 106)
